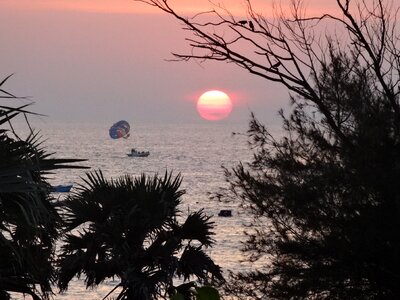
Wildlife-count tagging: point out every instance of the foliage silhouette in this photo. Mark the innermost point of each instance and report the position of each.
(189, 291)
(331, 206)
(325, 195)
(128, 228)
(29, 221)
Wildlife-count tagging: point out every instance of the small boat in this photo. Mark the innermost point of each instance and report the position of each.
(62, 188)
(225, 213)
(135, 153)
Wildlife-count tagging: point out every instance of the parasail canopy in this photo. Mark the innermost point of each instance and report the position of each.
(119, 130)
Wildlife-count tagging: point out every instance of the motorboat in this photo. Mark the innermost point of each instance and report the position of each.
(136, 153)
(62, 188)
(225, 213)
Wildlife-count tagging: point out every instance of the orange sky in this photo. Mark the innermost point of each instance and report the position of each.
(107, 59)
(102, 6)
(130, 6)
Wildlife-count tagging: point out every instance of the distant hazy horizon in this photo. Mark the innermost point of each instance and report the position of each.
(107, 60)
(80, 65)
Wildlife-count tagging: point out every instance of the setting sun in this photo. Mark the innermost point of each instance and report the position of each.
(214, 105)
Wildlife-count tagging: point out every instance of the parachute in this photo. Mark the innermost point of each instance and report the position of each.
(120, 130)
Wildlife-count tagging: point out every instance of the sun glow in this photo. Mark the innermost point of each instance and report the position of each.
(214, 105)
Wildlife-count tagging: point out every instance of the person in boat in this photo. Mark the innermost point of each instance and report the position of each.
(133, 150)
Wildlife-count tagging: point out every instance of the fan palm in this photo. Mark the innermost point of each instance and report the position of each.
(29, 221)
(128, 228)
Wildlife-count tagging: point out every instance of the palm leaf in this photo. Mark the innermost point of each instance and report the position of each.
(127, 227)
(194, 261)
(198, 227)
(29, 220)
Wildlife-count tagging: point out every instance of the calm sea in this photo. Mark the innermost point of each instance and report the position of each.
(196, 151)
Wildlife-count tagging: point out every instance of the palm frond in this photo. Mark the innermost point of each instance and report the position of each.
(194, 261)
(29, 220)
(198, 227)
(128, 229)
(4, 91)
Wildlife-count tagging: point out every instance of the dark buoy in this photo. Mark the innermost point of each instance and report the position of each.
(225, 213)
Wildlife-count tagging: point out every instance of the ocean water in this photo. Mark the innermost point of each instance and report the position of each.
(196, 151)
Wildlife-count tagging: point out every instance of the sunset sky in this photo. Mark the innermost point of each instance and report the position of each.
(106, 60)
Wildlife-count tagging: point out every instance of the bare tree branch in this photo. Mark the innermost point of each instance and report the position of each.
(290, 50)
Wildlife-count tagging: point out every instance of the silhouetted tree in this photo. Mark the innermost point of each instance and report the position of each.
(331, 207)
(325, 195)
(29, 221)
(129, 228)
